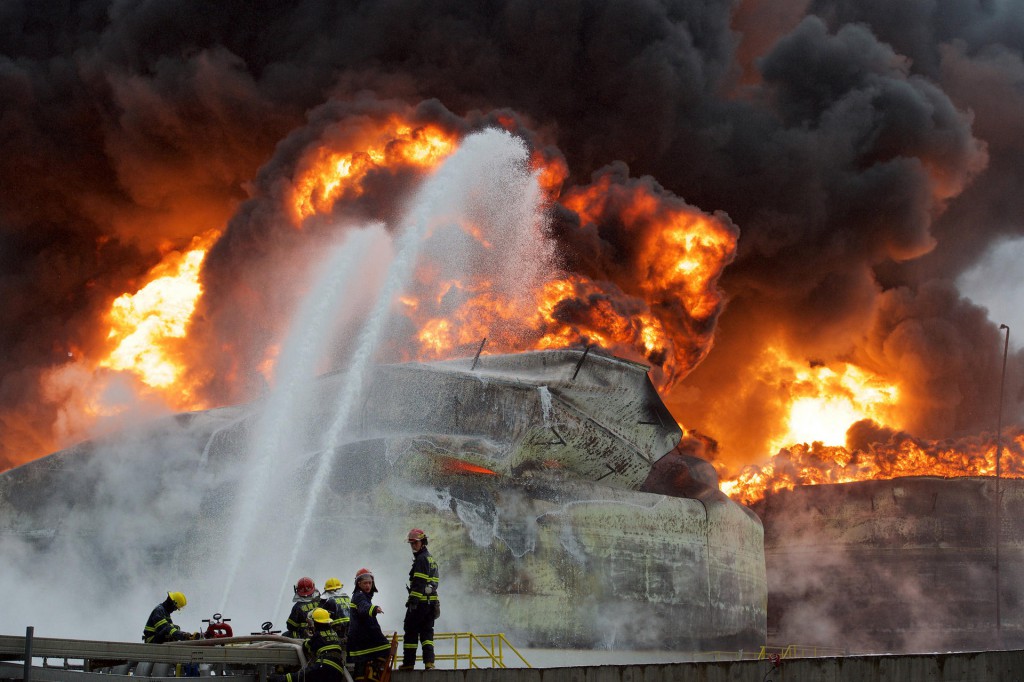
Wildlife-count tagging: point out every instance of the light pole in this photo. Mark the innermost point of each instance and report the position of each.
(999, 448)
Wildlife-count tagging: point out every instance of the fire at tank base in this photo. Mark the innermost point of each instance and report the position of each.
(528, 470)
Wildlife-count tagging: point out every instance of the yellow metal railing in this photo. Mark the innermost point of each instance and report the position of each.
(722, 655)
(800, 651)
(470, 649)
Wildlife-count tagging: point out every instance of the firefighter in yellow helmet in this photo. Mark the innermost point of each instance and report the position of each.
(160, 628)
(323, 651)
(338, 603)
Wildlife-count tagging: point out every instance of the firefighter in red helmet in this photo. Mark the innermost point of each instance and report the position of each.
(423, 605)
(368, 648)
(305, 600)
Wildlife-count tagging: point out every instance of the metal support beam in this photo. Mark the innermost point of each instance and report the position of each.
(27, 674)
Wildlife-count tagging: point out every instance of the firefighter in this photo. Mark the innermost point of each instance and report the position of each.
(306, 599)
(368, 648)
(423, 605)
(160, 628)
(323, 651)
(337, 602)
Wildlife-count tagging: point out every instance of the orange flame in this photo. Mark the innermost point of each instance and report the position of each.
(901, 455)
(673, 259)
(679, 251)
(144, 325)
(824, 400)
(552, 173)
(683, 256)
(842, 424)
(450, 465)
(329, 175)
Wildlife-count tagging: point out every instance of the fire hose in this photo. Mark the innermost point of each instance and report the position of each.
(263, 642)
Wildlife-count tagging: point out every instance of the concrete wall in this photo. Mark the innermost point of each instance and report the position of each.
(985, 666)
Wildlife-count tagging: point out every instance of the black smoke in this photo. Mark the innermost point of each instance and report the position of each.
(868, 153)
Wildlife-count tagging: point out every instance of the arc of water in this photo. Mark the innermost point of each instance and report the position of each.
(355, 377)
(451, 179)
(302, 349)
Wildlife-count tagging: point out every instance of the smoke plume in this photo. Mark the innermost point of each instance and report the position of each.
(867, 153)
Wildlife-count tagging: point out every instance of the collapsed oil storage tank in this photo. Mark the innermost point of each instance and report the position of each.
(534, 474)
(903, 565)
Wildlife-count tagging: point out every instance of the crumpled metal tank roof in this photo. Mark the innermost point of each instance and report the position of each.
(594, 415)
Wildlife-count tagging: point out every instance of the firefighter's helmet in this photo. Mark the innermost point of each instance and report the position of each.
(321, 616)
(178, 598)
(305, 587)
(363, 574)
(417, 535)
(332, 584)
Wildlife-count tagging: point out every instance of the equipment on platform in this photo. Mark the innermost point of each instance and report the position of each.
(217, 627)
(268, 629)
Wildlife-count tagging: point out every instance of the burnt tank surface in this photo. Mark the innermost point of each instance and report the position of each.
(535, 475)
(901, 565)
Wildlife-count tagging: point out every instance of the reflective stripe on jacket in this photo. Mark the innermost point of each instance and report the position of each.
(297, 619)
(160, 628)
(364, 635)
(423, 579)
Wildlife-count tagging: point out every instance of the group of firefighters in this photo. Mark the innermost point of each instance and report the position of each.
(337, 629)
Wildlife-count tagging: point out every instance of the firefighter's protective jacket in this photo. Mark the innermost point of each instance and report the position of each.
(338, 605)
(297, 623)
(159, 628)
(325, 647)
(364, 636)
(325, 659)
(423, 582)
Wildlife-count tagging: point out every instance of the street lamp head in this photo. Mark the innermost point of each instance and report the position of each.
(1003, 326)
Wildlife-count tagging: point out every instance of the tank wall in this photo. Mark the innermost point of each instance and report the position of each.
(901, 565)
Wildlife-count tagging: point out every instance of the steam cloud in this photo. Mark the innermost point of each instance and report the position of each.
(866, 166)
